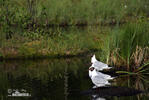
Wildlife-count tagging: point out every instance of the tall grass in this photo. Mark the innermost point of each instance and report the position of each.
(24, 12)
(32, 15)
(129, 45)
(36, 14)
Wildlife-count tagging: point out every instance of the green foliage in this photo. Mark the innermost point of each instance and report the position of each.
(141, 70)
(51, 42)
(32, 35)
(137, 7)
(125, 72)
(32, 18)
(26, 51)
(144, 68)
(1, 54)
(129, 42)
(25, 13)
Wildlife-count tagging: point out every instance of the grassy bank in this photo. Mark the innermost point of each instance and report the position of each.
(127, 45)
(25, 29)
(121, 46)
(56, 42)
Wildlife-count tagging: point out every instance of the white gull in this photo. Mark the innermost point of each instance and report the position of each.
(98, 78)
(98, 65)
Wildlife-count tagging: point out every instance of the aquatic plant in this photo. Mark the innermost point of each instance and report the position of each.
(129, 45)
(141, 70)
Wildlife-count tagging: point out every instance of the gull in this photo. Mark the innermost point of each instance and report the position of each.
(99, 79)
(98, 65)
(96, 97)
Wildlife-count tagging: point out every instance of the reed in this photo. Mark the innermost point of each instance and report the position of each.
(129, 45)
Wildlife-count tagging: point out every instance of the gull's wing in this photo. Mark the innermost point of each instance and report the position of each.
(105, 76)
(100, 81)
(100, 66)
(97, 64)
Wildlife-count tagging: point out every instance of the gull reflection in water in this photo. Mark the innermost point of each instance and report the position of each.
(96, 97)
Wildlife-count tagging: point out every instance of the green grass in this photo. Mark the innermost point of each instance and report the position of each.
(25, 31)
(142, 70)
(44, 12)
(120, 46)
(127, 45)
(56, 42)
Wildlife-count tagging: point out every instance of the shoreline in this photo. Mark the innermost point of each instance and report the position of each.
(57, 56)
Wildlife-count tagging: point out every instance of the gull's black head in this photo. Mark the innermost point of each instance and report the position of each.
(91, 68)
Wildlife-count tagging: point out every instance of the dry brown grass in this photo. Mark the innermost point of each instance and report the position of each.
(138, 57)
(116, 59)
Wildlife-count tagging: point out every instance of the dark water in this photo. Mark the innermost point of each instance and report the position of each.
(59, 79)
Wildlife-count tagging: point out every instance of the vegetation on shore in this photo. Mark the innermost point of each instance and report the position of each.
(130, 42)
(128, 46)
(34, 13)
(63, 42)
(25, 29)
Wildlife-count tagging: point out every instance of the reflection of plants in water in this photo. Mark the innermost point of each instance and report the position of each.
(42, 77)
(139, 82)
(52, 78)
(42, 69)
(3, 85)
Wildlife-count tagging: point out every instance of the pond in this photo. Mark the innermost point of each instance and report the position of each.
(58, 79)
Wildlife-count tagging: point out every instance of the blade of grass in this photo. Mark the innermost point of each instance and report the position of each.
(144, 79)
(125, 72)
(143, 70)
(143, 66)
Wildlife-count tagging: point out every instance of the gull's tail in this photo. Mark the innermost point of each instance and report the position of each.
(106, 68)
(111, 78)
(93, 59)
(109, 67)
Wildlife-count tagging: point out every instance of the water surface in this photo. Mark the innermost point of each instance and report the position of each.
(58, 79)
